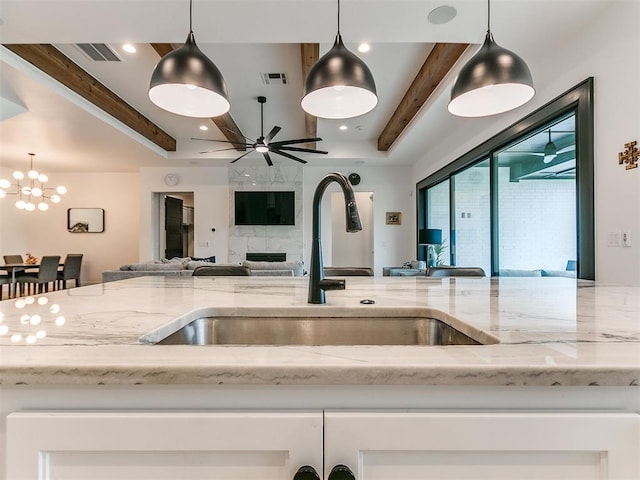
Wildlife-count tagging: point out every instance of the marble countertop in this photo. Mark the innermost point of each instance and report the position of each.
(551, 331)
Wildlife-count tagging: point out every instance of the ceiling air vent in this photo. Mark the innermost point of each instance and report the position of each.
(98, 52)
(274, 78)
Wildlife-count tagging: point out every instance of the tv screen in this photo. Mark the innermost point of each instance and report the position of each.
(264, 208)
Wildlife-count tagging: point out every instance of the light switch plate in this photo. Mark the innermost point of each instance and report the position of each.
(613, 239)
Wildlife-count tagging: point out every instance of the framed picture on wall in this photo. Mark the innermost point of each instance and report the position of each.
(85, 220)
(394, 218)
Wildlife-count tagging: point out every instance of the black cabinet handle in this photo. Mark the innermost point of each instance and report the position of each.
(341, 472)
(306, 473)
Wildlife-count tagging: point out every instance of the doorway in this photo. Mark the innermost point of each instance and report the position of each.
(175, 224)
(352, 249)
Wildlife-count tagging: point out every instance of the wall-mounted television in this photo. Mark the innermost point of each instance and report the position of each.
(264, 208)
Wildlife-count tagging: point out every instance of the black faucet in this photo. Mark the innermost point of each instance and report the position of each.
(317, 283)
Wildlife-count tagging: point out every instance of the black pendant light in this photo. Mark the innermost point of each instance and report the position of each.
(339, 85)
(550, 150)
(495, 80)
(186, 82)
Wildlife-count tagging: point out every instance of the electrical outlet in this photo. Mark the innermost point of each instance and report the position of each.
(626, 239)
(203, 244)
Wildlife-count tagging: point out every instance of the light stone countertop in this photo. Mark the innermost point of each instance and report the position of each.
(552, 331)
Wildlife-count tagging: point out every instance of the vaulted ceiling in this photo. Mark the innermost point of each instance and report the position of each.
(78, 114)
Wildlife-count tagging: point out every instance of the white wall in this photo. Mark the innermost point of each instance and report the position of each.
(392, 187)
(211, 209)
(393, 191)
(45, 233)
(608, 50)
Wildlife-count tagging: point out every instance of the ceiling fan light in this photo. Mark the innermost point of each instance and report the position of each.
(339, 85)
(494, 80)
(550, 152)
(186, 82)
(262, 148)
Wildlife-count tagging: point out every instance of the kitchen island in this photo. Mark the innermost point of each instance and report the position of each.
(568, 352)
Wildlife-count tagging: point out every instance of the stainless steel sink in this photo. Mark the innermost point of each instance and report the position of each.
(286, 330)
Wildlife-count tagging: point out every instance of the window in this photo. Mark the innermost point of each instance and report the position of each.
(523, 200)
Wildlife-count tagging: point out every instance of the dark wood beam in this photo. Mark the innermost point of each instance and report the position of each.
(162, 48)
(225, 123)
(58, 66)
(309, 54)
(440, 60)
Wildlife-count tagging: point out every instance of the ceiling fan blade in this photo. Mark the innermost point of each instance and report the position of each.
(299, 140)
(243, 155)
(267, 158)
(222, 141)
(285, 154)
(250, 140)
(219, 150)
(298, 149)
(274, 131)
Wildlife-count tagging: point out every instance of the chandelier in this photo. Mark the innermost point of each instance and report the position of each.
(31, 189)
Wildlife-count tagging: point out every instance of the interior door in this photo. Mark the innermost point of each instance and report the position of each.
(173, 227)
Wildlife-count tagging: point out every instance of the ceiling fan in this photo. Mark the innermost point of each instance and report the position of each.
(265, 145)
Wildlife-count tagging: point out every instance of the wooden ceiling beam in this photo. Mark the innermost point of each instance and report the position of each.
(309, 54)
(440, 60)
(58, 66)
(225, 123)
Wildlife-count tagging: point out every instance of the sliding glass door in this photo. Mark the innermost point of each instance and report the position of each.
(521, 204)
(536, 198)
(471, 219)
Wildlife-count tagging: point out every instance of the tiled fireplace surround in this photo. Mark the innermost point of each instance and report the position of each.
(278, 238)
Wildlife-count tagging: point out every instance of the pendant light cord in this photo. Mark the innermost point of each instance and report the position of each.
(190, 16)
(488, 16)
(338, 17)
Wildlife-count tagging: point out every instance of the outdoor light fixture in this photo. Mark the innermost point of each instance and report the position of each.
(339, 84)
(187, 83)
(550, 150)
(30, 188)
(494, 80)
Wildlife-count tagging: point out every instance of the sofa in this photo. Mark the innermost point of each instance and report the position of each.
(184, 267)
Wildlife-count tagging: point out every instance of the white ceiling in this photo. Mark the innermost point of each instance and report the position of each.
(244, 38)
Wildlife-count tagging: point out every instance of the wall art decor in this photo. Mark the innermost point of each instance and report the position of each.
(85, 220)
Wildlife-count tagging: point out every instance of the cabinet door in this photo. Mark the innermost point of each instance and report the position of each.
(163, 445)
(491, 446)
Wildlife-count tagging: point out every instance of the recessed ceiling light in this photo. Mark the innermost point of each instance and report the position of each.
(343, 127)
(364, 47)
(129, 48)
(204, 127)
(442, 14)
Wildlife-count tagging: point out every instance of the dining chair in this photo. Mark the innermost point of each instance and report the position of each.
(47, 273)
(222, 270)
(5, 279)
(13, 259)
(70, 270)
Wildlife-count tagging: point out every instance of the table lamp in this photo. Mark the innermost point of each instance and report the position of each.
(430, 237)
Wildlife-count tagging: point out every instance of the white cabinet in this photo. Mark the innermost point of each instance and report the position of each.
(161, 445)
(492, 446)
(375, 445)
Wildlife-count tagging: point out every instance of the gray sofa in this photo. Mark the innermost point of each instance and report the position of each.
(184, 267)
